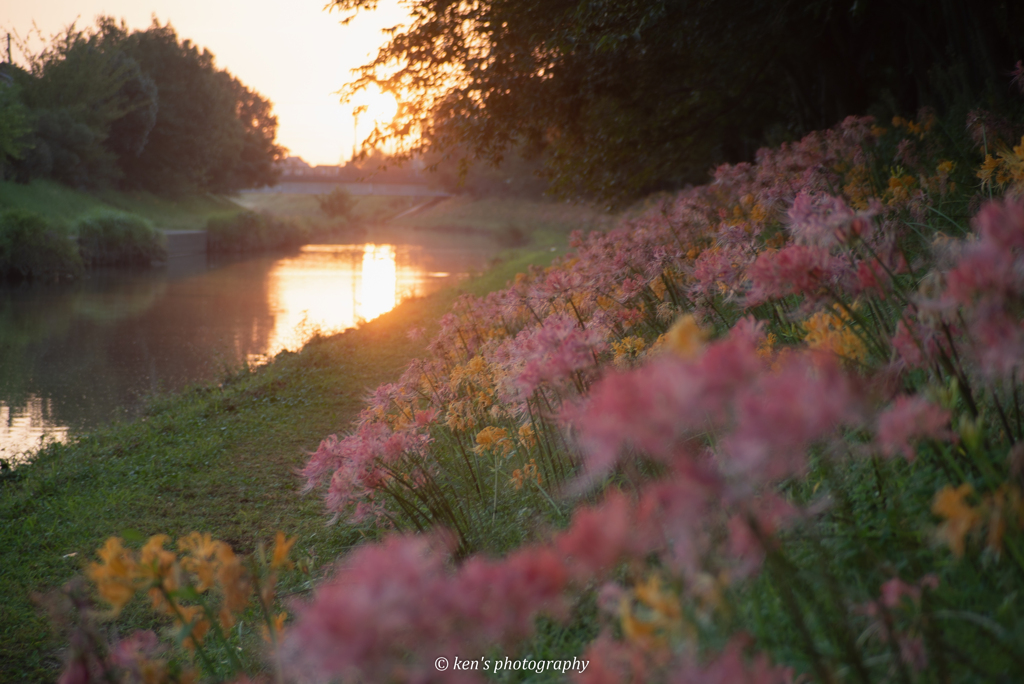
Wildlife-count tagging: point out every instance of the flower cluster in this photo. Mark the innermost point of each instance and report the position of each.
(782, 372)
(185, 587)
(767, 430)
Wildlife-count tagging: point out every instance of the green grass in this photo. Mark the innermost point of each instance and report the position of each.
(493, 218)
(219, 459)
(53, 201)
(494, 214)
(367, 208)
(61, 204)
(181, 213)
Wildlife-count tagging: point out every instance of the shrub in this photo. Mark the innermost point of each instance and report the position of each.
(33, 248)
(337, 204)
(248, 231)
(118, 239)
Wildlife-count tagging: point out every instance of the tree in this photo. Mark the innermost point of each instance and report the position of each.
(144, 110)
(628, 96)
(14, 126)
(77, 92)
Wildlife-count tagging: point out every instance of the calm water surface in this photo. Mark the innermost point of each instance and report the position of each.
(77, 356)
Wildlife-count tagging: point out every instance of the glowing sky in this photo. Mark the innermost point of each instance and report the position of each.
(292, 51)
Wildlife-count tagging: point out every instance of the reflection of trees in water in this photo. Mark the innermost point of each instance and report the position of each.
(93, 350)
(104, 344)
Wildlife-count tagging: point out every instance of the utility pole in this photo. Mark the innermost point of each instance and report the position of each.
(356, 111)
(9, 49)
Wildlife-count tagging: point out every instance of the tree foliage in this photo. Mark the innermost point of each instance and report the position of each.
(143, 110)
(14, 126)
(629, 96)
(337, 203)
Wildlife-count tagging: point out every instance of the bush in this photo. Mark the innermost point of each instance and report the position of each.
(337, 204)
(248, 231)
(117, 239)
(32, 248)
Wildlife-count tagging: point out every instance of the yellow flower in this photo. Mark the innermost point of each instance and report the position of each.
(900, 187)
(282, 546)
(960, 516)
(527, 473)
(153, 671)
(766, 348)
(476, 366)
(685, 339)
(157, 566)
(988, 169)
(829, 331)
(155, 561)
(115, 577)
(627, 349)
(650, 614)
(277, 622)
(201, 550)
(527, 437)
(758, 213)
(492, 439)
(192, 615)
(233, 579)
(658, 287)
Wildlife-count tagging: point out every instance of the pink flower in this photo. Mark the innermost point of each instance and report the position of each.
(716, 267)
(1000, 342)
(797, 269)
(612, 662)
(992, 268)
(911, 418)
(554, 351)
(764, 516)
(677, 511)
(426, 417)
(1018, 76)
(652, 407)
(731, 667)
(871, 277)
(824, 220)
(600, 537)
(392, 608)
(781, 414)
(917, 345)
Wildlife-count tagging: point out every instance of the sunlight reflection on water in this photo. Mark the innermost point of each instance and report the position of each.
(330, 288)
(78, 356)
(26, 427)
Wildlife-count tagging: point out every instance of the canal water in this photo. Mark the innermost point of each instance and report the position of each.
(76, 356)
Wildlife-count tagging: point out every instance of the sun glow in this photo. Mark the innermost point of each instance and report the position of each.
(329, 288)
(372, 108)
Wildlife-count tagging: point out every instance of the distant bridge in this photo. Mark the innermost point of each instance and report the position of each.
(314, 185)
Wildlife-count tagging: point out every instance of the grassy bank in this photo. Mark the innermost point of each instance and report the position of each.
(63, 205)
(220, 459)
(509, 222)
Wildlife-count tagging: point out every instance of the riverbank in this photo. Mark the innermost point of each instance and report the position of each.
(220, 459)
(51, 232)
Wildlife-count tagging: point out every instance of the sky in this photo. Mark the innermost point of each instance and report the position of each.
(293, 52)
